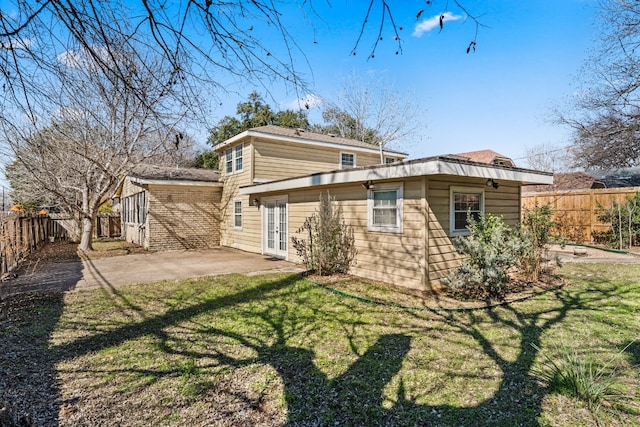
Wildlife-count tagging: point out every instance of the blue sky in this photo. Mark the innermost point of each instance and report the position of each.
(527, 61)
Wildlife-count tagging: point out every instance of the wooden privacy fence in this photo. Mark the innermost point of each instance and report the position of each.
(106, 225)
(21, 234)
(576, 211)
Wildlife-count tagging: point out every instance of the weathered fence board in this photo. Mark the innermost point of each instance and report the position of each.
(577, 210)
(21, 234)
(106, 225)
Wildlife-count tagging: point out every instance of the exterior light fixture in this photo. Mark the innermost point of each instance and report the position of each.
(369, 185)
(492, 183)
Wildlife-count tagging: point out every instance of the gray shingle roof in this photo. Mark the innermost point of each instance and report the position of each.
(308, 136)
(171, 173)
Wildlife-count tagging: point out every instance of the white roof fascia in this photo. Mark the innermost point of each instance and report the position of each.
(283, 138)
(144, 181)
(402, 170)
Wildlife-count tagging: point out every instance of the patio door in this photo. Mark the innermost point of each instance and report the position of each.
(275, 226)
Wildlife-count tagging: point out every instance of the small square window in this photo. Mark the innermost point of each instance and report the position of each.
(347, 160)
(464, 202)
(388, 160)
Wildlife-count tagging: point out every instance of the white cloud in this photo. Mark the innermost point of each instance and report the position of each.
(306, 102)
(434, 22)
(16, 44)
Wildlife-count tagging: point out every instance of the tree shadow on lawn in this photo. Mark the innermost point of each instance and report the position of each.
(280, 319)
(29, 394)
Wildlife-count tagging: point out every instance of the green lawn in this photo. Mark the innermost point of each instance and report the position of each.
(276, 350)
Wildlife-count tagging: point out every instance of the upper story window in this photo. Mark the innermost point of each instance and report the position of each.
(347, 160)
(464, 201)
(385, 208)
(233, 159)
(388, 160)
(238, 157)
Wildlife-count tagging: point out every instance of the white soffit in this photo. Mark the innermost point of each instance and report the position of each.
(403, 170)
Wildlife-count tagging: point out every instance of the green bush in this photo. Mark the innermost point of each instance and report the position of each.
(492, 249)
(537, 234)
(330, 245)
(625, 222)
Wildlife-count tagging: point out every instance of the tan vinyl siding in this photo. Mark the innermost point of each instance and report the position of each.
(246, 237)
(390, 257)
(249, 237)
(285, 160)
(504, 201)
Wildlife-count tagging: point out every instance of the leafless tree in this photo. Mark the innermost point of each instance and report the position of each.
(95, 128)
(548, 157)
(606, 112)
(380, 114)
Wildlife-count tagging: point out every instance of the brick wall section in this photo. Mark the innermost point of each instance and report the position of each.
(183, 217)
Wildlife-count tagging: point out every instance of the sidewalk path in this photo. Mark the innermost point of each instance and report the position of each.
(592, 255)
(141, 268)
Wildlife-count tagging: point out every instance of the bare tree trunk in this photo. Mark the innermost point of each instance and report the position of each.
(87, 234)
(88, 214)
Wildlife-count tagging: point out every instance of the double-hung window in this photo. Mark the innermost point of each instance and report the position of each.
(347, 160)
(463, 202)
(237, 214)
(233, 159)
(385, 208)
(228, 157)
(238, 157)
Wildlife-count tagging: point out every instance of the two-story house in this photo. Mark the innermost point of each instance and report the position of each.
(404, 213)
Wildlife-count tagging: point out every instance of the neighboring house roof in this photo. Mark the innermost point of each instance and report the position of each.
(440, 165)
(486, 156)
(625, 177)
(567, 181)
(305, 136)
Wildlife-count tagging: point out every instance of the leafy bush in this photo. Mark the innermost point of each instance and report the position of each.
(493, 249)
(537, 233)
(625, 222)
(330, 246)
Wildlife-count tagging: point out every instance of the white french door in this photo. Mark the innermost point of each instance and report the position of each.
(275, 226)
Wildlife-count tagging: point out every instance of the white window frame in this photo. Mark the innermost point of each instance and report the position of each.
(398, 227)
(237, 215)
(342, 165)
(232, 156)
(238, 148)
(389, 160)
(228, 161)
(452, 213)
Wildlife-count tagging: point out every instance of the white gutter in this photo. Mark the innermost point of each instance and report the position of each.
(403, 170)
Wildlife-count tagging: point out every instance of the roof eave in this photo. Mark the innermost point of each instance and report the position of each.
(437, 166)
(193, 183)
(310, 141)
